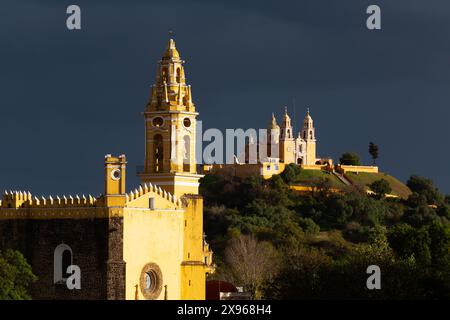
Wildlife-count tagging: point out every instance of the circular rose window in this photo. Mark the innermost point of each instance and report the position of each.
(151, 281)
(187, 122)
(158, 122)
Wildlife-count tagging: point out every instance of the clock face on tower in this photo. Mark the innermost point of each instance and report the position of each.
(115, 174)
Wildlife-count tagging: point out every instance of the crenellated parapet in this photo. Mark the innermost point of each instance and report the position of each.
(148, 189)
(24, 199)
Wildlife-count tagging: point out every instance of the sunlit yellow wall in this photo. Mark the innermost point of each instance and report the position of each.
(153, 236)
(346, 168)
(313, 167)
(268, 169)
(287, 151)
(310, 153)
(193, 268)
(196, 290)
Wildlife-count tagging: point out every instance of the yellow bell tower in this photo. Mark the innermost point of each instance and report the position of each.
(308, 134)
(287, 141)
(170, 125)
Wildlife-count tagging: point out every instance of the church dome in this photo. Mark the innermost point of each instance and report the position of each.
(286, 116)
(171, 51)
(308, 116)
(273, 124)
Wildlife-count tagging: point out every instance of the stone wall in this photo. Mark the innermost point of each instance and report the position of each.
(37, 240)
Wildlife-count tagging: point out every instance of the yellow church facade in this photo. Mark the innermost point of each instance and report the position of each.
(147, 243)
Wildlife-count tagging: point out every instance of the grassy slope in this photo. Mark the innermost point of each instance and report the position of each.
(363, 179)
(308, 177)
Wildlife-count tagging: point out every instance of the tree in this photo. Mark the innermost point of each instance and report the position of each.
(308, 225)
(420, 216)
(252, 263)
(440, 244)
(409, 242)
(290, 173)
(300, 275)
(321, 187)
(350, 159)
(341, 209)
(424, 187)
(373, 150)
(380, 188)
(15, 276)
(312, 258)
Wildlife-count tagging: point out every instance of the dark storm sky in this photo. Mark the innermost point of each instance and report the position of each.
(69, 97)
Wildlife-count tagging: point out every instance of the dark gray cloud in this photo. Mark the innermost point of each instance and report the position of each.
(68, 98)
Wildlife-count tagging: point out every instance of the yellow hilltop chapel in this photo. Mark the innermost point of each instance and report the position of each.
(147, 243)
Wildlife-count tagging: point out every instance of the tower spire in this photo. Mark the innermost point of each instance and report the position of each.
(171, 86)
(171, 52)
(273, 123)
(171, 129)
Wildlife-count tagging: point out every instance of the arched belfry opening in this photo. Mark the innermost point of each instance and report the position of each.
(164, 75)
(186, 153)
(158, 153)
(178, 77)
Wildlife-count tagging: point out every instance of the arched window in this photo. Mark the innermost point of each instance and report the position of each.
(311, 134)
(62, 259)
(186, 153)
(158, 153)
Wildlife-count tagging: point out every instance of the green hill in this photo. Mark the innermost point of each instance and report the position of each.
(363, 179)
(310, 178)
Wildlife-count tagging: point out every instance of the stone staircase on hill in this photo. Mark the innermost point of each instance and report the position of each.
(342, 178)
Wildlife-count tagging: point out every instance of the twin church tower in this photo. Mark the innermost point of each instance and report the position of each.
(300, 150)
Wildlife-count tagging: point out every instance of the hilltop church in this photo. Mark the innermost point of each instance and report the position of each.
(278, 148)
(300, 150)
(147, 243)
